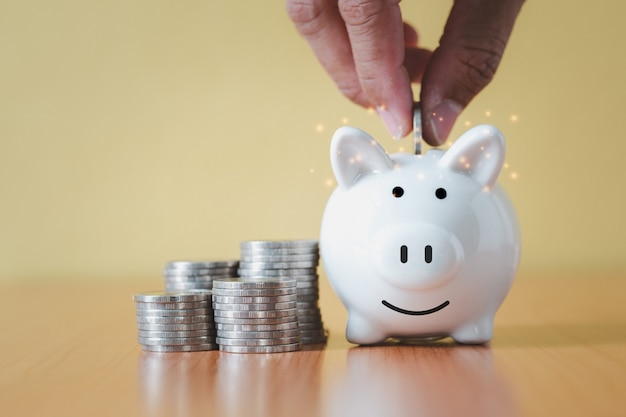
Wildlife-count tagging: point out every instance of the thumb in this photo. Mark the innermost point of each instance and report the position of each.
(466, 60)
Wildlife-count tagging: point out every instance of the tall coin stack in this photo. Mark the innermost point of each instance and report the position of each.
(170, 322)
(188, 275)
(256, 315)
(294, 259)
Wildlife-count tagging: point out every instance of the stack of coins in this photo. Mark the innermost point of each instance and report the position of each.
(256, 315)
(188, 275)
(294, 259)
(175, 322)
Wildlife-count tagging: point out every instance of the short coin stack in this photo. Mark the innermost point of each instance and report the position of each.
(292, 259)
(256, 315)
(190, 275)
(175, 322)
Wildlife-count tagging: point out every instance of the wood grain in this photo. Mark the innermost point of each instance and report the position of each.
(70, 349)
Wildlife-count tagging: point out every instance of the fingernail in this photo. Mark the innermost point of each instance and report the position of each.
(390, 121)
(443, 118)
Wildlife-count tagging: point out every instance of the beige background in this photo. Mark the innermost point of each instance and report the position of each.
(137, 132)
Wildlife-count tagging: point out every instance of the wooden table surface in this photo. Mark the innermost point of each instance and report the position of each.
(69, 349)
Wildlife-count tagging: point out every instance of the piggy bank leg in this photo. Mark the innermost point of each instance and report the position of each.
(362, 332)
(476, 332)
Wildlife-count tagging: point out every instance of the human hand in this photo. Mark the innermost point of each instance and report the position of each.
(373, 56)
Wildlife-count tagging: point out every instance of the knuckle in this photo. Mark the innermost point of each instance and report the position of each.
(352, 91)
(362, 12)
(305, 14)
(480, 60)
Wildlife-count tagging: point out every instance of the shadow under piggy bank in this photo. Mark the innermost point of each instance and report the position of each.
(405, 380)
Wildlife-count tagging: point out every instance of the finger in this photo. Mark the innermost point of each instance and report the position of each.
(376, 33)
(415, 59)
(469, 53)
(410, 35)
(321, 24)
(415, 62)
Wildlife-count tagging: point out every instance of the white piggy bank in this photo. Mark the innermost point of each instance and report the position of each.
(419, 246)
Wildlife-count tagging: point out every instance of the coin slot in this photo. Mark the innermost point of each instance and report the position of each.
(428, 254)
(404, 254)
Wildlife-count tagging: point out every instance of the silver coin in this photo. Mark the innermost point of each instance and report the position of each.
(270, 321)
(176, 327)
(417, 128)
(174, 313)
(168, 297)
(309, 318)
(171, 306)
(294, 257)
(309, 308)
(304, 313)
(307, 305)
(256, 306)
(202, 264)
(255, 314)
(313, 332)
(196, 277)
(187, 278)
(257, 327)
(304, 298)
(262, 349)
(277, 265)
(193, 272)
(227, 299)
(306, 278)
(174, 320)
(252, 252)
(174, 334)
(187, 287)
(199, 273)
(271, 334)
(311, 326)
(191, 285)
(314, 340)
(262, 292)
(257, 342)
(306, 285)
(279, 244)
(269, 273)
(180, 348)
(167, 341)
(308, 292)
(206, 293)
(242, 283)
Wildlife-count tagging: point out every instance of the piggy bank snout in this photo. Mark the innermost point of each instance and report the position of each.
(413, 257)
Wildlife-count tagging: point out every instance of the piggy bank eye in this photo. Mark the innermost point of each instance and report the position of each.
(441, 193)
(397, 192)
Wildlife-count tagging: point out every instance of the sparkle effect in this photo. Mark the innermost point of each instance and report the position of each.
(512, 118)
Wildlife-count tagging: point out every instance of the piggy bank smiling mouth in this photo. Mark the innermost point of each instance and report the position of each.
(414, 312)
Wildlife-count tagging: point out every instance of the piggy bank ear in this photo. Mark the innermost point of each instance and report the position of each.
(479, 153)
(355, 154)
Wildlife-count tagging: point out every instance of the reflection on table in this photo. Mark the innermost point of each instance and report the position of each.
(438, 378)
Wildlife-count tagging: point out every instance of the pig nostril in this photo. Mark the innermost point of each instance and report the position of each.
(428, 254)
(404, 254)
